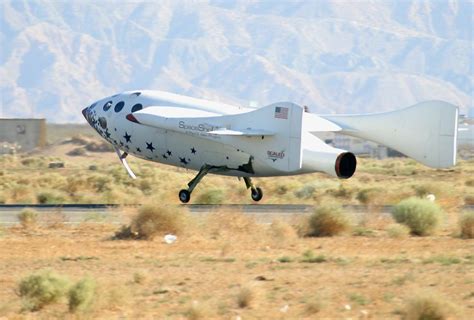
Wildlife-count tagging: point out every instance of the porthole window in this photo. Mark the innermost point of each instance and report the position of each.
(103, 122)
(119, 106)
(107, 105)
(137, 107)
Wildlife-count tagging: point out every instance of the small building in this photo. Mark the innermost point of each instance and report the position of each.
(22, 135)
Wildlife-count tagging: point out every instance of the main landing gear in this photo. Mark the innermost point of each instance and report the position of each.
(255, 192)
(185, 194)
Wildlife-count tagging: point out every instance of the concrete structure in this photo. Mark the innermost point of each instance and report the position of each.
(22, 135)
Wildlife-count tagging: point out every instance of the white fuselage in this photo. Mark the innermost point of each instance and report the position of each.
(182, 149)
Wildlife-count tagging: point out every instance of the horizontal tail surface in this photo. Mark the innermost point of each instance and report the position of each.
(426, 132)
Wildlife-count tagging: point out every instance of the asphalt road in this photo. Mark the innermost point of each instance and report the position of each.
(98, 213)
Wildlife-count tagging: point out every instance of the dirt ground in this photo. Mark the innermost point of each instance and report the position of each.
(358, 277)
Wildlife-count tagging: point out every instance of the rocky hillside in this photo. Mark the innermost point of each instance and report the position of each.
(334, 56)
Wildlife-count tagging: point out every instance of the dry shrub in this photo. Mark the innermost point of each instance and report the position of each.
(246, 297)
(50, 197)
(82, 295)
(211, 196)
(282, 231)
(28, 218)
(139, 277)
(396, 230)
(420, 215)
(368, 196)
(313, 307)
(469, 200)
(426, 306)
(41, 289)
(466, 224)
(328, 220)
(153, 220)
(77, 152)
(197, 311)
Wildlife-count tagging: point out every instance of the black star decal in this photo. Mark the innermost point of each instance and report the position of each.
(193, 151)
(127, 137)
(149, 146)
(115, 141)
(164, 156)
(168, 152)
(115, 129)
(107, 133)
(183, 161)
(127, 147)
(139, 150)
(227, 158)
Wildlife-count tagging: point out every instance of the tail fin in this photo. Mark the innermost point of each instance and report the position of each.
(426, 132)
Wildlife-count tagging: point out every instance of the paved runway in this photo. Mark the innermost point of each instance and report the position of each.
(76, 213)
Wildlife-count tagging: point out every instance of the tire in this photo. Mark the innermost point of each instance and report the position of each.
(184, 196)
(256, 194)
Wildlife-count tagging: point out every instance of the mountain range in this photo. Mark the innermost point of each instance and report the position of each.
(57, 57)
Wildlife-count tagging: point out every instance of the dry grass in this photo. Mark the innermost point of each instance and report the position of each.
(359, 271)
(26, 179)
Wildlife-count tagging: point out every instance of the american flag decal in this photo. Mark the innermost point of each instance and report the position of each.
(281, 113)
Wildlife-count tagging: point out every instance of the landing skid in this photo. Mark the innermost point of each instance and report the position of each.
(125, 163)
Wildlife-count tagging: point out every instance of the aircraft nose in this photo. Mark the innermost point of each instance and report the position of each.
(84, 113)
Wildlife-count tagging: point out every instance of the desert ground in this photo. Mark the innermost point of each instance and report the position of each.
(225, 265)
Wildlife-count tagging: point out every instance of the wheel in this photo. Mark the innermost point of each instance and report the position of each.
(184, 196)
(256, 194)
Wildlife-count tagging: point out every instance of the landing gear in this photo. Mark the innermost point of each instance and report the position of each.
(185, 194)
(255, 192)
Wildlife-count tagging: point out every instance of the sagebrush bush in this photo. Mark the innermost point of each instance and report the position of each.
(211, 196)
(81, 295)
(246, 297)
(50, 197)
(466, 224)
(156, 219)
(41, 289)
(420, 215)
(367, 196)
(396, 230)
(428, 307)
(328, 220)
(28, 218)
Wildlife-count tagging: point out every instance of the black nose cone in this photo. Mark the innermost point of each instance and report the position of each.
(84, 113)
